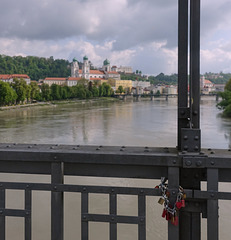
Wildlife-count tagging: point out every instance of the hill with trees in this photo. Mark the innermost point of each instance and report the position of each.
(36, 67)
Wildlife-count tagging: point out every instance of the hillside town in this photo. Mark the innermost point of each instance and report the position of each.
(112, 75)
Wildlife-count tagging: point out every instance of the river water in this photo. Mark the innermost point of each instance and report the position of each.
(130, 123)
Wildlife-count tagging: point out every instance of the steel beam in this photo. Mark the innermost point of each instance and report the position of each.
(56, 202)
(182, 67)
(195, 62)
(212, 205)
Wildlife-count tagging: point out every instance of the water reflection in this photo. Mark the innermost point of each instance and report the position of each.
(143, 123)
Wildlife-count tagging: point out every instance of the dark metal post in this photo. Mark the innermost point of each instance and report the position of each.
(56, 202)
(212, 205)
(113, 211)
(2, 216)
(182, 67)
(28, 214)
(141, 214)
(195, 62)
(84, 210)
(173, 183)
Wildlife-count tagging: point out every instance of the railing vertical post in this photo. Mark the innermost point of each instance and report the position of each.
(2, 217)
(212, 205)
(195, 62)
(113, 211)
(141, 214)
(182, 67)
(173, 184)
(56, 202)
(84, 210)
(190, 223)
(28, 217)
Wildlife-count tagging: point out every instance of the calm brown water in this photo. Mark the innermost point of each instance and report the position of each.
(143, 123)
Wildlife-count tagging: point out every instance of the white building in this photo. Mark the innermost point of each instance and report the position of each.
(91, 75)
(10, 77)
(122, 69)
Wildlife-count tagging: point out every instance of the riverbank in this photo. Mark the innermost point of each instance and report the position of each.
(59, 102)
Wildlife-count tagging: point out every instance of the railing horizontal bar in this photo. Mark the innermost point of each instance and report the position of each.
(89, 189)
(211, 161)
(112, 218)
(212, 195)
(81, 188)
(96, 157)
(14, 212)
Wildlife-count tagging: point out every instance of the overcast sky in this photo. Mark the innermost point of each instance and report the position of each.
(137, 33)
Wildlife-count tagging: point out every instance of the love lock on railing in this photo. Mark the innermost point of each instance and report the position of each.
(171, 211)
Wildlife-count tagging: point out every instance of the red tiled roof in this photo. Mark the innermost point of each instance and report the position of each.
(93, 72)
(5, 76)
(20, 76)
(55, 78)
(207, 81)
(8, 76)
(96, 72)
(74, 78)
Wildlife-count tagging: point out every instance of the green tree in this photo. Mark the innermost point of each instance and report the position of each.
(34, 94)
(45, 92)
(55, 92)
(225, 104)
(21, 89)
(95, 91)
(105, 90)
(228, 85)
(7, 94)
(120, 89)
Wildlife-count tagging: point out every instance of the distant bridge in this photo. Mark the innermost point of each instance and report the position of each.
(152, 96)
(138, 96)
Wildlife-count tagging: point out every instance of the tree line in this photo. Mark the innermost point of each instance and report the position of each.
(36, 67)
(18, 92)
(225, 103)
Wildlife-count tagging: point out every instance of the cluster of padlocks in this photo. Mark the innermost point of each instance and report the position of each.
(171, 211)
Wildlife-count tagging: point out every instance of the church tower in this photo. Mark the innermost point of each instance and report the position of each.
(74, 68)
(106, 66)
(86, 68)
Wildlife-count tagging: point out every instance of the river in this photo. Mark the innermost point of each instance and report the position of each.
(129, 123)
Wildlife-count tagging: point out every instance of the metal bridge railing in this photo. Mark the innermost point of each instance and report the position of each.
(213, 166)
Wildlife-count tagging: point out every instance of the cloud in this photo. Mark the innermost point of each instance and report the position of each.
(128, 32)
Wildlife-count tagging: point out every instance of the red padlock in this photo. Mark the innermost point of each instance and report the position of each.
(164, 213)
(175, 222)
(179, 205)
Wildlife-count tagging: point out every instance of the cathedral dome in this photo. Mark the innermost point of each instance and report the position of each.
(106, 62)
(75, 60)
(85, 58)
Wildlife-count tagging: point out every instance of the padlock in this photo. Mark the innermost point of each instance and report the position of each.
(161, 201)
(172, 219)
(175, 223)
(179, 205)
(164, 213)
(184, 196)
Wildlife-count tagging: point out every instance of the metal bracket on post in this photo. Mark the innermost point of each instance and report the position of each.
(190, 140)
